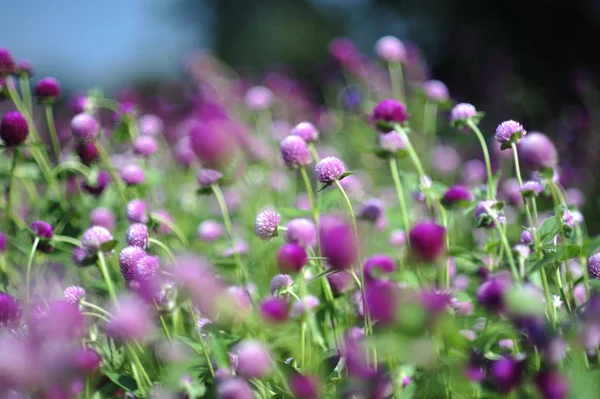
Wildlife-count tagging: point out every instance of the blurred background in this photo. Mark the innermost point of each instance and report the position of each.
(530, 61)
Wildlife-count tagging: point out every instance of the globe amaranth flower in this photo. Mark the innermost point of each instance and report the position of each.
(295, 152)
(527, 236)
(302, 232)
(280, 282)
(306, 130)
(97, 187)
(102, 217)
(427, 241)
(47, 89)
(7, 63)
(491, 295)
(594, 266)
(145, 146)
(259, 98)
(146, 268)
(210, 231)
(338, 242)
(87, 152)
(137, 235)
(266, 223)
(487, 213)
(371, 210)
(388, 113)
(85, 127)
(94, 237)
(128, 258)
(234, 388)
(253, 359)
(397, 238)
(3, 242)
(506, 373)
(87, 360)
(436, 90)
(575, 197)
(340, 282)
(537, 152)
(391, 142)
(275, 309)
(25, 67)
(343, 50)
(214, 143)
(150, 125)
(13, 128)
(531, 188)
(552, 384)
(381, 299)
(74, 294)
(42, 229)
(329, 169)
(457, 195)
(10, 310)
(131, 321)
(291, 258)
(208, 177)
(446, 160)
(377, 266)
(305, 387)
(132, 174)
(462, 113)
(303, 306)
(390, 49)
(509, 132)
(136, 211)
(78, 256)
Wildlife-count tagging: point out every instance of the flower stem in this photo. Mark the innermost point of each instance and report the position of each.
(52, 131)
(400, 194)
(397, 80)
(311, 195)
(11, 183)
(25, 91)
(491, 194)
(29, 262)
(163, 246)
(509, 254)
(111, 170)
(201, 338)
(106, 275)
(96, 307)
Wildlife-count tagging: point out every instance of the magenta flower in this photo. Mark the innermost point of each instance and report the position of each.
(3, 242)
(136, 211)
(436, 90)
(128, 259)
(537, 152)
(306, 130)
(210, 231)
(234, 388)
(85, 127)
(388, 113)
(25, 67)
(594, 266)
(531, 188)
(457, 195)
(208, 177)
(305, 387)
(294, 152)
(131, 320)
(259, 98)
(280, 282)
(509, 132)
(340, 282)
(7, 63)
(102, 217)
(338, 243)
(487, 213)
(87, 152)
(146, 268)
(137, 235)
(265, 224)
(10, 310)
(94, 237)
(377, 266)
(427, 241)
(42, 229)
(302, 232)
(382, 301)
(391, 142)
(87, 360)
(47, 89)
(132, 174)
(291, 258)
(391, 49)
(329, 169)
(150, 125)
(275, 309)
(13, 128)
(253, 359)
(74, 294)
(145, 146)
(462, 112)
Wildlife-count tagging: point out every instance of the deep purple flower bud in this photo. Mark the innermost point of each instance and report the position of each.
(13, 128)
(305, 387)
(47, 89)
(537, 152)
(234, 388)
(208, 177)
(7, 63)
(259, 98)
(391, 142)
(594, 266)
(74, 294)
(146, 268)
(462, 112)
(491, 295)
(136, 211)
(128, 259)
(102, 217)
(304, 306)
(131, 321)
(42, 229)
(132, 174)
(527, 237)
(509, 132)
(291, 258)
(506, 373)
(378, 265)
(329, 169)
(10, 310)
(145, 146)
(265, 224)
(88, 152)
(87, 360)
(338, 243)
(275, 309)
(295, 152)
(427, 241)
(388, 113)
(302, 232)
(531, 188)
(78, 256)
(150, 125)
(254, 359)
(306, 130)
(103, 179)
(457, 195)
(3, 242)
(390, 49)
(552, 385)
(94, 237)
(486, 216)
(382, 301)
(210, 231)
(436, 90)
(371, 210)
(340, 282)
(137, 235)
(280, 282)
(85, 127)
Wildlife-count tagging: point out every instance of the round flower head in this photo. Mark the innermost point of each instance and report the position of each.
(7, 63)
(3, 242)
(343, 50)
(214, 143)
(25, 67)
(436, 90)
(305, 387)
(552, 385)
(183, 152)
(381, 299)
(96, 188)
(486, 215)
(445, 159)
(275, 309)
(87, 152)
(506, 373)
(13, 128)
(302, 232)
(509, 132)
(340, 282)
(85, 127)
(427, 241)
(280, 282)
(527, 237)
(94, 237)
(87, 360)
(137, 235)
(397, 238)
(329, 169)
(378, 265)
(457, 195)
(102, 217)
(265, 224)
(208, 177)
(391, 142)
(10, 310)
(150, 125)
(291, 258)
(234, 388)
(306, 130)
(42, 229)
(390, 49)
(136, 211)
(371, 210)
(389, 112)
(128, 259)
(537, 152)
(531, 188)
(47, 89)
(491, 295)
(254, 359)
(575, 197)
(146, 268)
(131, 321)
(303, 306)
(210, 231)
(295, 152)
(78, 256)
(259, 98)
(338, 243)
(145, 146)
(462, 112)
(74, 294)
(594, 266)
(132, 174)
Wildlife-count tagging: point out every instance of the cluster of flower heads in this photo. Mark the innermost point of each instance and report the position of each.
(379, 280)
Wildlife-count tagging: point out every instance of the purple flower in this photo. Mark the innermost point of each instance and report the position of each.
(94, 237)
(302, 232)
(575, 197)
(552, 384)
(88, 152)
(382, 301)
(436, 90)
(146, 268)
(522, 250)
(378, 265)
(474, 172)
(210, 231)
(150, 125)
(78, 256)
(305, 387)
(136, 211)
(306, 130)
(259, 98)
(128, 259)
(145, 146)
(294, 152)
(527, 237)
(397, 238)
(265, 224)
(388, 113)
(25, 67)
(87, 360)
(329, 169)
(103, 217)
(303, 306)
(390, 49)
(47, 89)
(3, 242)
(391, 142)
(254, 359)
(594, 266)
(446, 159)
(137, 235)
(97, 188)
(509, 132)
(132, 174)
(7, 63)
(131, 321)
(208, 177)
(234, 388)
(13, 128)
(280, 282)
(371, 210)
(291, 258)
(491, 295)
(486, 215)
(427, 241)
(462, 112)
(537, 152)
(74, 294)
(85, 127)
(10, 310)
(214, 143)
(457, 196)
(531, 188)
(506, 373)
(275, 309)
(340, 282)
(338, 243)
(42, 229)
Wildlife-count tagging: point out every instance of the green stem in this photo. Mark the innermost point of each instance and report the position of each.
(397, 81)
(163, 324)
(67, 239)
(11, 182)
(400, 194)
(509, 254)
(95, 307)
(97, 315)
(53, 133)
(159, 218)
(106, 275)
(311, 195)
(202, 343)
(73, 166)
(491, 194)
(111, 170)
(29, 262)
(164, 247)
(26, 91)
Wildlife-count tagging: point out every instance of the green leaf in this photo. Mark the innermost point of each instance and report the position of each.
(324, 187)
(561, 254)
(328, 365)
(121, 133)
(346, 174)
(290, 212)
(204, 191)
(123, 381)
(547, 174)
(323, 273)
(109, 245)
(590, 246)
(550, 228)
